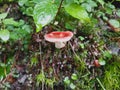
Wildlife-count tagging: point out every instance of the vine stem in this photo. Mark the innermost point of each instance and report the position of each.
(42, 67)
(58, 10)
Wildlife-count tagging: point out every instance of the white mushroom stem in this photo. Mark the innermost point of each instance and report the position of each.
(60, 44)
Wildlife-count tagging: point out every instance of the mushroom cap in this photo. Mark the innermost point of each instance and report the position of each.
(59, 36)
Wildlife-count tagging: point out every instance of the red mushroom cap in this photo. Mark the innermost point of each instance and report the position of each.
(59, 36)
(96, 63)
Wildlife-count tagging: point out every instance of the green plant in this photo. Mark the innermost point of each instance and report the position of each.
(34, 61)
(43, 80)
(36, 8)
(69, 82)
(13, 30)
(79, 81)
(41, 14)
(5, 68)
(111, 76)
(4, 33)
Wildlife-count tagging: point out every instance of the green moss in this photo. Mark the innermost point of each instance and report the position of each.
(112, 75)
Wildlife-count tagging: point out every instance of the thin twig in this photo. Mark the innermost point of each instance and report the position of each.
(100, 84)
(8, 10)
(58, 10)
(74, 52)
(42, 67)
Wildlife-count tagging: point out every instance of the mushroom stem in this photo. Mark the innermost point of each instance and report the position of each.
(60, 44)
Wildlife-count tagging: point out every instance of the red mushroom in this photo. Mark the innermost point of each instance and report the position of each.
(96, 63)
(59, 38)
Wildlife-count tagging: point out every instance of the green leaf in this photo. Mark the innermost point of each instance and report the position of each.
(99, 14)
(4, 35)
(22, 2)
(29, 11)
(26, 28)
(74, 76)
(78, 12)
(14, 36)
(118, 13)
(102, 62)
(87, 6)
(81, 38)
(72, 86)
(10, 21)
(7, 85)
(3, 65)
(67, 80)
(82, 45)
(3, 16)
(114, 22)
(107, 54)
(109, 11)
(38, 27)
(21, 22)
(2, 74)
(105, 18)
(77, 1)
(44, 12)
(92, 3)
(111, 6)
(101, 2)
(71, 1)
(69, 25)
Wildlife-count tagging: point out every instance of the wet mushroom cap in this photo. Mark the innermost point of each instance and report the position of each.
(59, 36)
